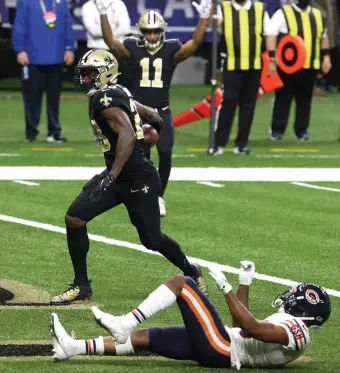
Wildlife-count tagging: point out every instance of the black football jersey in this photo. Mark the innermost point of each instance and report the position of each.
(119, 96)
(152, 71)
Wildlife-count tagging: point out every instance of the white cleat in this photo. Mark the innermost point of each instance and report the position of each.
(162, 204)
(62, 342)
(117, 326)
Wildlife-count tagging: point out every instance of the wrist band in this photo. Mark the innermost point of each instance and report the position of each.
(272, 54)
(325, 52)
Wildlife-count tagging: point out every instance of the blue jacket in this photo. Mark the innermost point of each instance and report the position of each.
(44, 45)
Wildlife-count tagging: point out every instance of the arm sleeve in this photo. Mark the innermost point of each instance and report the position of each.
(124, 22)
(278, 24)
(267, 24)
(70, 42)
(19, 32)
(91, 21)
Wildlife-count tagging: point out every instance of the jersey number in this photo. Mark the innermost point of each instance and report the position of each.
(103, 141)
(138, 122)
(158, 65)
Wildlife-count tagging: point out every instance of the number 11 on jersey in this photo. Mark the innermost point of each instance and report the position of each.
(158, 66)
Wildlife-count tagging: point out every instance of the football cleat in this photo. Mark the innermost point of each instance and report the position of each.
(118, 326)
(5, 295)
(200, 281)
(73, 294)
(62, 342)
(162, 204)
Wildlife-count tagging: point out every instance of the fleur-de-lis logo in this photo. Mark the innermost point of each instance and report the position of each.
(106, 100)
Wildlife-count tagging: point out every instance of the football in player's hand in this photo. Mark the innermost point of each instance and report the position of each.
(150, 135)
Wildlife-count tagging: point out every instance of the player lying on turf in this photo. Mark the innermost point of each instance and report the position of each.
(273, 342)
(129, 178)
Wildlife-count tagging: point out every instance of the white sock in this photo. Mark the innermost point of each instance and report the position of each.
(158, 300)
(88, 346)
(125, 349)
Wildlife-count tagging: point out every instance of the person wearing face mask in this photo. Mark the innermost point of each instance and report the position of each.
(244, 24)
(298, 19)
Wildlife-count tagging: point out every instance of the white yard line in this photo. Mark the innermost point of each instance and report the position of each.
(257, 174)
(29, 183)
(129, 245)
(9, 155)
(209, 183)
(311, 186)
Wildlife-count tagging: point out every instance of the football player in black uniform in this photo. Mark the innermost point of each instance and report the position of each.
(154, 59)
(129, 177)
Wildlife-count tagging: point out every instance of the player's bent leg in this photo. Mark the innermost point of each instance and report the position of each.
(208, 336)
(81, 211)
(120, 327)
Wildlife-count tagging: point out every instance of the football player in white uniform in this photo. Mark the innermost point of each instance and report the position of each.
(252, 343)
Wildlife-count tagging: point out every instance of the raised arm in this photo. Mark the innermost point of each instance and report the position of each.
(116, 47)
(261, 330)
(191, 46)
(247, 272)
(150, 116)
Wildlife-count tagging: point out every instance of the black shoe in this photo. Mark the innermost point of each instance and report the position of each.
(303, 137)
(74, 293)
(198, 278)
(5, 295)
(29, 140)
(56, 139)
(276, 136)
(241, 150)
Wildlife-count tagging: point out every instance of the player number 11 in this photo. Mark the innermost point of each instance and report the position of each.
(158, 65)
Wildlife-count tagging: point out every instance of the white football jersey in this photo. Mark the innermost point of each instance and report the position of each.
(250, 352)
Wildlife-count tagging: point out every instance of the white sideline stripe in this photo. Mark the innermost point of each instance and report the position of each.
(301, 156)
(258, 174)
(202, 262)
(9, 155)
(209, 183)
(30, 183)
(316, 187)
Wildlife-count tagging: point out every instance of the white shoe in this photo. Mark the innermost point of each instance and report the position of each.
(219, 151)
(162, 204)
(50, 139)
(62, 342)
(117, 326)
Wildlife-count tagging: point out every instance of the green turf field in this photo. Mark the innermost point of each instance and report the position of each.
(290, 231)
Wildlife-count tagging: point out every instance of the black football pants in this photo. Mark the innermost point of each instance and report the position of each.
(240, 87)
(300, 87)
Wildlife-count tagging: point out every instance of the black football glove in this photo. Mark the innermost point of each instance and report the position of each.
(101, 188)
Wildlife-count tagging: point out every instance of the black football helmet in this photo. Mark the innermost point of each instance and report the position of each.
(308, 301)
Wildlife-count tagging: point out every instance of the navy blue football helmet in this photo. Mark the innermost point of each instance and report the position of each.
(308, 301)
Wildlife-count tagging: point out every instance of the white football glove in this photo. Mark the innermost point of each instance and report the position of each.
(103, 5)
(220, 279)
(247, 272)
(203, 8)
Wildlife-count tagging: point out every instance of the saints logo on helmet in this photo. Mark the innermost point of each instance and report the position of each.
(308, 301)
(151, 26)
(96, 70)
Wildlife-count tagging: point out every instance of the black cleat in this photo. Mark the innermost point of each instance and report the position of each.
(74, 293)
(200, 280)
(5, 295)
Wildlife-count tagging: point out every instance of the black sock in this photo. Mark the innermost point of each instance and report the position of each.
(164, 169)
(171, 250)
(78, 246)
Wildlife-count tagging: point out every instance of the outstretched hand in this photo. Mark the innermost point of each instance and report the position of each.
(203, 8)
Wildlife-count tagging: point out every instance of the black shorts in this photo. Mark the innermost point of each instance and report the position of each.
(139, 196)
(203, 338)
(167, 136)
